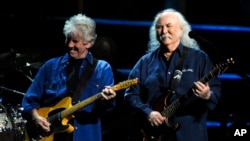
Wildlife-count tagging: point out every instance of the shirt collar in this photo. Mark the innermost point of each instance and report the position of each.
(179, 50)
(89, 58)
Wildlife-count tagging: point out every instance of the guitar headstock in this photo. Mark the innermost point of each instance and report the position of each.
(218, 69)
(222, 67)
(125, 84)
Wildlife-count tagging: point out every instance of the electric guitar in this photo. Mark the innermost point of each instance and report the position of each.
(63, 111)
(158, 133)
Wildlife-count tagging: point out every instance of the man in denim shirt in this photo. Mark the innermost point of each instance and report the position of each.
(155, 71)
(58, 78)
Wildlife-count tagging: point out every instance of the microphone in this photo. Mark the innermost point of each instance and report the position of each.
(198, 38)
(207, 47)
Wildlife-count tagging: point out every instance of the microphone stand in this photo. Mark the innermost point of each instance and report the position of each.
(208, 47)
(214, 54)
(10, 90)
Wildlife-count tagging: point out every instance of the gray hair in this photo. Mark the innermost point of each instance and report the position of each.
(185, 39)
(80, 25)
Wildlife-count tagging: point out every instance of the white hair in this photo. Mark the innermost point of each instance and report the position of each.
(185, 39)
(80, 25)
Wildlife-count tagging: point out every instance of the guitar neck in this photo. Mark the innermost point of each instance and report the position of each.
(172, 108)
(122, 85)
(78, 106)
(209, 76)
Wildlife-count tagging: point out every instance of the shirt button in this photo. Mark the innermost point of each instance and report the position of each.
(75, 128)
(169, 72)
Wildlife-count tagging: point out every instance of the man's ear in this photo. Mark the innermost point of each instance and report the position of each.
(91, 43)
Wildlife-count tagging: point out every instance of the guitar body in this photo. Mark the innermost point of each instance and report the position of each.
(57, 124)
(159, 133)
(60, 114)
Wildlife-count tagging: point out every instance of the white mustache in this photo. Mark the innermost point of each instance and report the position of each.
(164, 36)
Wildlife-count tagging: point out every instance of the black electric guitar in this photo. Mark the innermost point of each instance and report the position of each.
(63, 111)
(157, 134)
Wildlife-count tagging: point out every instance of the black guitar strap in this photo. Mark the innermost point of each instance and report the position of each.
(83, 81)
(178, 71)
(181, 61)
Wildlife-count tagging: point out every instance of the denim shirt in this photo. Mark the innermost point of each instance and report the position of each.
(49, 87)
(155, 73)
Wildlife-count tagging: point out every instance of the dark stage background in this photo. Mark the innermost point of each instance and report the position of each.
(32, 33)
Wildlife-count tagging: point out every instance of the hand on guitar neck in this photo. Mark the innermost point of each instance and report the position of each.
(201, 90)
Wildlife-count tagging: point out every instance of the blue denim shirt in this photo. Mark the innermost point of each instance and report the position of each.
(155, 73)
(49, 86)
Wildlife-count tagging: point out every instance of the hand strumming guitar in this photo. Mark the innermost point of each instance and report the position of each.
(156, 119)
(40, 121)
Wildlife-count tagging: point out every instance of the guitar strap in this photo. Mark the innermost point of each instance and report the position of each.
(83, 81)
(178, 71)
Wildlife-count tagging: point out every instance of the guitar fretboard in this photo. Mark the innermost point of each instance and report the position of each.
(78, 106)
